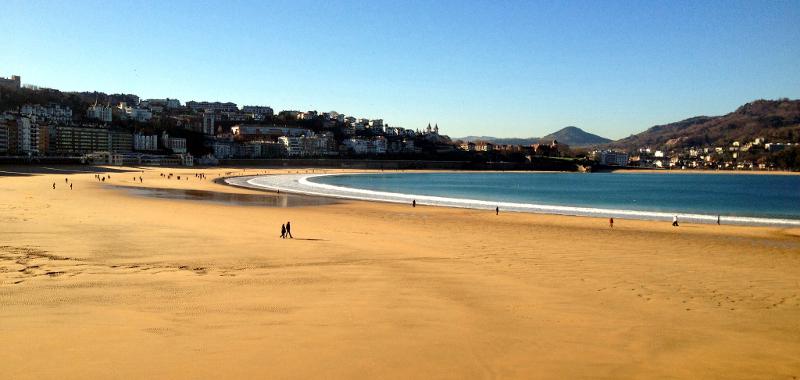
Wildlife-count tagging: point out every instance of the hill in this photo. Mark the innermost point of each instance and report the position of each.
(576, 137)
(572, 136)
(775, 120)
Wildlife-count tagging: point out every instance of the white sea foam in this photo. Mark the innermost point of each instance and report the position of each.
(299, 184)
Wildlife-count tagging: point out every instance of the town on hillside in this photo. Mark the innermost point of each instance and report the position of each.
(121, 129)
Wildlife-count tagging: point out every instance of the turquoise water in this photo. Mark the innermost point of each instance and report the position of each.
(760, 196)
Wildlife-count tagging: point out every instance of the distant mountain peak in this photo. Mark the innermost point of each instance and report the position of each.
(571, 135)
(574, 136)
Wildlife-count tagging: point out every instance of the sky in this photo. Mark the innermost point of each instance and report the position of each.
(497, 68)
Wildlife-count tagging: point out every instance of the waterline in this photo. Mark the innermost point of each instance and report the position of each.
(300, 184)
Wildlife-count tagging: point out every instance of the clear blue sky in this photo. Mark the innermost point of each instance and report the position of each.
(491, 68)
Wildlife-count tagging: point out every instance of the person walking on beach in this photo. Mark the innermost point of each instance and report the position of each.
(497, 210)
(289, 230)
(54, 185)
(414, 203)
(66, 180)
(70, 186)
(675, 221)
(283, 231)
(717, 219)
(611, 223)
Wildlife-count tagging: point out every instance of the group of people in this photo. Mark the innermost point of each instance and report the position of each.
(101, 179)
(170, 175)
(674, 221)
(66, 180)
(286, 231)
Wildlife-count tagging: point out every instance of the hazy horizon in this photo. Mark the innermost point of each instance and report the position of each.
(503, 70)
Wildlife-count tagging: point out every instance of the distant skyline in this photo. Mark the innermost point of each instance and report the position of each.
(505, 69)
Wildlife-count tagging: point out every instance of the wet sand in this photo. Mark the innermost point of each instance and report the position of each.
(260, 200)
(98, 282)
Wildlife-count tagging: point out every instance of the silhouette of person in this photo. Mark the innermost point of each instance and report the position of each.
(675, 221)
(414, 203)
(611, 222)
(717, 219)
(289, 230)
(54, 185)
(283, 231)
(70, 186)
(66, 180)
(497, 210)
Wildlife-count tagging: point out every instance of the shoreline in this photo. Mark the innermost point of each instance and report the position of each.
(300, 184)
(697, 171)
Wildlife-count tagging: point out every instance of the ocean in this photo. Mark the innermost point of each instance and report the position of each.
(760, 199)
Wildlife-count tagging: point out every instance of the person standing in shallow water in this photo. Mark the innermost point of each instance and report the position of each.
(283, 231)
(289, 230)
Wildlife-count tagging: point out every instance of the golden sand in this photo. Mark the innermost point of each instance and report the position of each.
(96, 282)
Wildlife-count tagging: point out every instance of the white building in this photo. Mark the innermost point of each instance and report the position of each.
(139, 114)
(25, 136)
(145, 142)
(310, 115)
(222, 149)
(99, 112)
(614, 158)
(364, 146)
(292, 144)
(135, 113)
(208, 123)
(52, 112)
(176, 144)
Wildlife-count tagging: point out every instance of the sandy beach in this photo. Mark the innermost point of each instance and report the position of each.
(103, 282)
